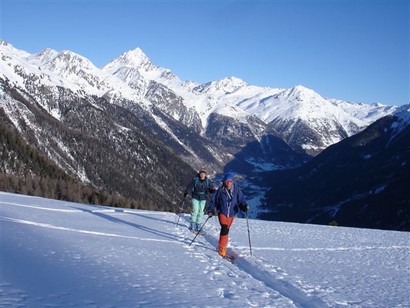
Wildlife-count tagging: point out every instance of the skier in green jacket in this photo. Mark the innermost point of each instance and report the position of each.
(199, 188)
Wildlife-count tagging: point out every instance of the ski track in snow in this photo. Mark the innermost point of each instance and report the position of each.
(249, 281)
(271, 276)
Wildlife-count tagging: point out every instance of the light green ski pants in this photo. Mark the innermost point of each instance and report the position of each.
(197, 212)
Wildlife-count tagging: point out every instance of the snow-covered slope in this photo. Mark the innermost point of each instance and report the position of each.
(66, 254)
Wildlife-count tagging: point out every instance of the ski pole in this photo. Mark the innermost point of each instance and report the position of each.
(249, 234)
(200, 230)
(181, 208)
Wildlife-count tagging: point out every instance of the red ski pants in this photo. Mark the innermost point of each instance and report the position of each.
(226, 223)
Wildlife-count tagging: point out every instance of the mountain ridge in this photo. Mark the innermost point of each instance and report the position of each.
(367, 175)
(138, 74)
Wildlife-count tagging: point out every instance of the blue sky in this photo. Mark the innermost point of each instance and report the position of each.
(356, 50)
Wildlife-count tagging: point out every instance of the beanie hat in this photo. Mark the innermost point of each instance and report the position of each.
(202, 170)
(228, 176)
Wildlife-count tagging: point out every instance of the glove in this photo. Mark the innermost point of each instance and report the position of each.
(244, 207)
(212, 189)
(212, 213)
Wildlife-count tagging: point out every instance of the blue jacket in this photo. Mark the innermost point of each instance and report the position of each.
(226, 205)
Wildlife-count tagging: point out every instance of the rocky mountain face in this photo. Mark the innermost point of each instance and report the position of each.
(136, 129)
(362, 181)
(101, 144)
(302, 118)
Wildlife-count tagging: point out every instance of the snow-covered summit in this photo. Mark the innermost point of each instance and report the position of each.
(136, 63)
(136, 70)
(222, 87)
(7, 48)
(65, 63)
(14, 66)
(403, 114)
(369, 113)
(301, 94)
(298, 103)
(43, 57)
(50, 69)
(133, 59)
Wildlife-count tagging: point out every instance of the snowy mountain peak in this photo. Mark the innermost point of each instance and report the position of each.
(301, 94)
(301, 88)
(132, 59)
(7, 48)
(232, 82)
(4, 43)
(67, 56)
(136, 69)
(135, 57)
(43, 57)
(222, 87)
(403, 114)
(65, 61)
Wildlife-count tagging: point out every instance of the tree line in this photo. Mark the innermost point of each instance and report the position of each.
(24, 170)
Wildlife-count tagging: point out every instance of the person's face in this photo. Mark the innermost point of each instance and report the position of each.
(228, 184)
(202, 175)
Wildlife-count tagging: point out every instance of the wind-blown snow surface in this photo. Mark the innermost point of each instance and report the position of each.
(63, 254)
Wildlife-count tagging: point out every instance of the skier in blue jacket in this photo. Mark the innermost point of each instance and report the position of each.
(226, 203)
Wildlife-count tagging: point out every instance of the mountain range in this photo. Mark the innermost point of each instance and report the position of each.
(117, 128)
(362, 181)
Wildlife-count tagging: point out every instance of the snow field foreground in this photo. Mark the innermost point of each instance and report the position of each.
(62, 254)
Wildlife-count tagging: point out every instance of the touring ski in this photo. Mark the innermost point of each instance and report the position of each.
(198, 232)
(229, 258)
